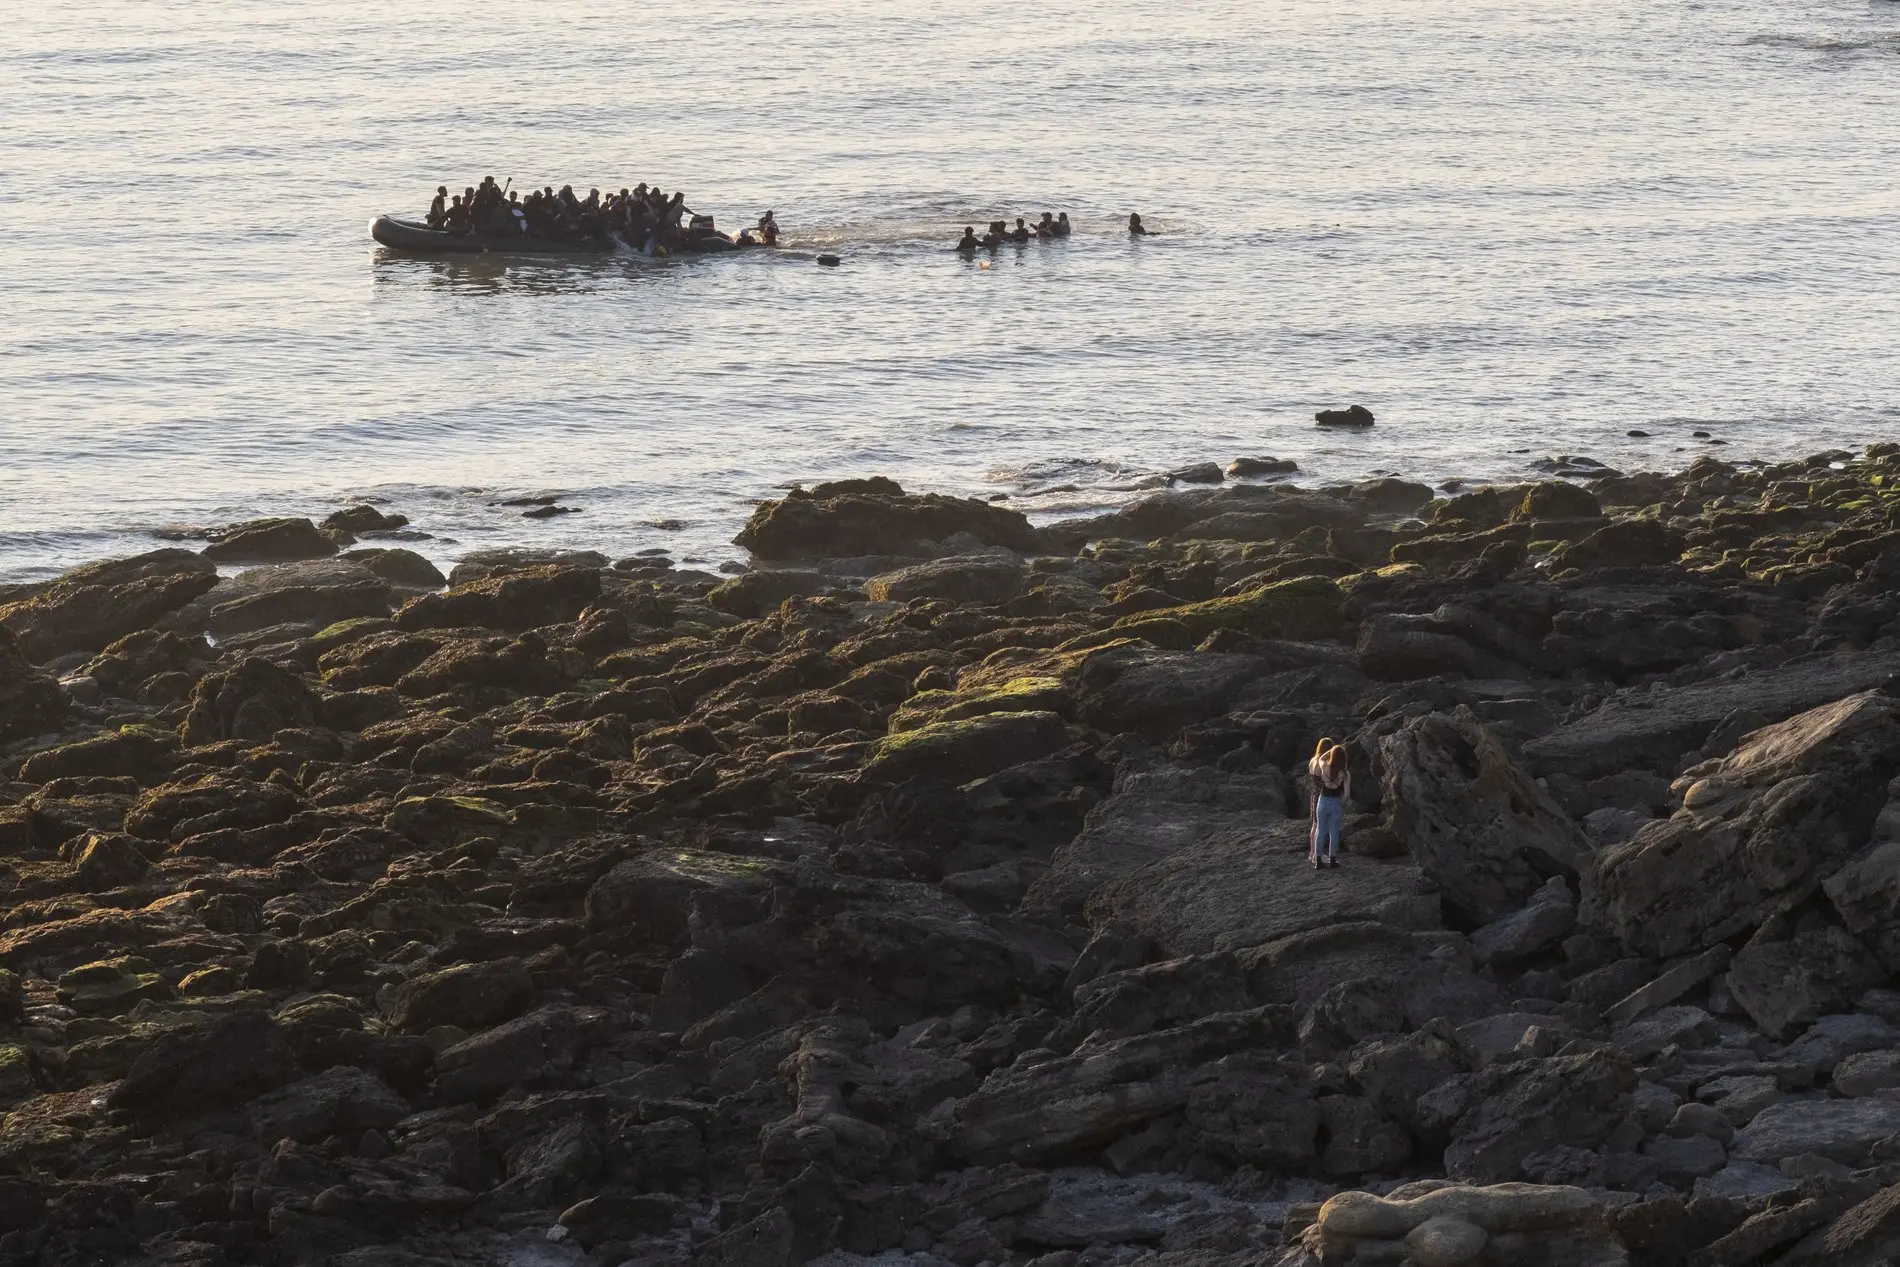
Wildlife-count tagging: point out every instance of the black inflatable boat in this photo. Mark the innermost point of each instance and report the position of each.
(399, 234)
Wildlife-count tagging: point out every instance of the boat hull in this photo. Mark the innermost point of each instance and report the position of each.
(415, 237)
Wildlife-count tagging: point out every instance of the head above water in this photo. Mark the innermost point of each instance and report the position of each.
(1134, 219)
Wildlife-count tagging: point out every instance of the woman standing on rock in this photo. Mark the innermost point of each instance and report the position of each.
(1332, 782)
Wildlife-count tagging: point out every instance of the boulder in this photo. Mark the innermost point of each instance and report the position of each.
(966, 749)
(1472, 819)
(1241, 468)
(523, 1051)
(361, 519)
(757, 592)
(652, 895)
(467, 996)
(253, 699)
(1842, 1130)
(526, 598)
(855, 518)
(1247, 886)
(1303, 609)
(315, 592)
(269, 541)
(1655, 729)
(1548, 918)
(31, 702)
(1866, 895)
(91, 606)
(981, 580)
(1760, 830)
(400, 567)
(1555, 499)
(1868, 1235)
(221, 1060)
(1791, 981)
(1351, 416)
(1533, 1105)
(341, 1101)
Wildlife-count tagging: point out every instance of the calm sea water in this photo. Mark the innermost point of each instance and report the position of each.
(1511, 228)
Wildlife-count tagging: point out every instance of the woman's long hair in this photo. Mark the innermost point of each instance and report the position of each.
(1321, 750)
(1334, 763)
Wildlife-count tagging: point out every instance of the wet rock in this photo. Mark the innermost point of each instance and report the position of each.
(1472, 819)
(765, 1241)
(91, 606)
(620, 1217)
(400, 567)
(1353, 416)
(317, 592)
(31, 702)
(1198, 473)
(468, 996)
(340, 1101)
(758, 592)
(108, 862)
(1760, 829)
(854, 518)
(532, 596)
(254, 699)
(982, 580)
(362, 519)
(1241, 468)
(269, 541)
(1555, 499)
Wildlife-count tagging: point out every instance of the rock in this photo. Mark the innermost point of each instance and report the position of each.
(1394, 1072)
(1682, 1161)
(400, 567)
(1242, 887)
(1868, 1073)
(1680, 1026)
(1866, 894)
(1241, 468)
(1783, 983)
(1547, 919)
(758, 592)
(1445, 1241)
(543, 1043)
(1844, 1130)
(1354, 416)
(1833, 1039)
(1760, 830)
(341, 1101)
(91, 606)
(1670, 985)
(108, 862)
(361, 519)
(1744, 1181)
(1620, 543)
(765, 1241)
(621, 1217)
(1390, 495)
(1474, 822)
(483, 565)
(1198, 473)
(959, 751)
(1645, 729)
(1155, 693)
(218, 1061)
(526, 598)
(652, 895)
(1532, 1105)
(1868, 1235)
(253, 699)
(107, 987)
(31, 702)
(979, 580)
(854, 518)
(1555, 499)
(1400, 648)
(468, 996)
(316, 592)
(1303, 609)
(268, 541)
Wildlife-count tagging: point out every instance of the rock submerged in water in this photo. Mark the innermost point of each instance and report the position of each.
(946, 894)
(1352, 416)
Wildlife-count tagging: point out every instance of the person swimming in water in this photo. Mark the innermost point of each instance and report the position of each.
(967, 244)
(1046, 227)
(1135, 229)
(1062, 225)
(1020, 233)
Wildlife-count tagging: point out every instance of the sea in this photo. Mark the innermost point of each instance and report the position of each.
(1513, 229)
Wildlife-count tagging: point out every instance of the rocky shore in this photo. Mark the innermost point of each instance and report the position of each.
(935, 892)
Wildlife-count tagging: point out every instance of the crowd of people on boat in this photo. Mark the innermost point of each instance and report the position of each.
(1000, 233)
(643, 217)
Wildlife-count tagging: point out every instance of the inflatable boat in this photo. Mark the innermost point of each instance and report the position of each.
(399, 234)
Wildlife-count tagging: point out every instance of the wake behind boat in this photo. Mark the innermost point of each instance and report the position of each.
(491, 219)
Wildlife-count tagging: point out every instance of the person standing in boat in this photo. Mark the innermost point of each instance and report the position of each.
(439, 209)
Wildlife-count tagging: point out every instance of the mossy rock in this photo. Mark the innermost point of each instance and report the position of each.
(347, 631)
(969, 748)
(447, 818)
(1304, 609)
(107, 987)
(1024, 694)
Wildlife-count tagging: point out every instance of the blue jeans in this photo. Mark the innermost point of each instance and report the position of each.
(1328, 813)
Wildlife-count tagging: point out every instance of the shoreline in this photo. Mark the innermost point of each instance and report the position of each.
(939, 886)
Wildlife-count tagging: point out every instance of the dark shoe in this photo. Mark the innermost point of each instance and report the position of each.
(1332, 862)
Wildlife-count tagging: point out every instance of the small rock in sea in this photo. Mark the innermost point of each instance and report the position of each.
(1240, 467)
(1641, 435)
(828, 261)
(1356, 416)
(1700, 435)
(1199, 473)
(664, 525)
(549, 512)
(529, 501)
(361, 519)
